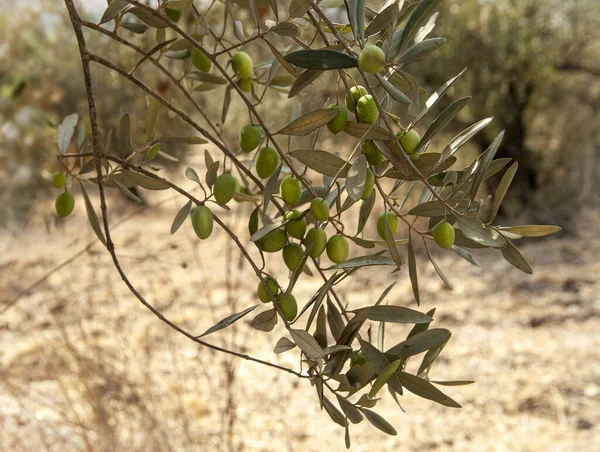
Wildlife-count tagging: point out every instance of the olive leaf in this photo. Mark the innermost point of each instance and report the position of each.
(425, 389)
(228, 321)
(357, 175)
(321, 59)
(66, 129)
(283, 345)
(322, 162)
(395, 314)
(265, 321)
(181, 217)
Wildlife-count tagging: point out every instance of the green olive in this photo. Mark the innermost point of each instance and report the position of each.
(392, 220)
(337, 248)
(202, 221)
(289, 307)
(241, 64)
(263, 295)
(250, 136)
(292, 254)
(319, 209)
(369, 184)
(366, 109)
(64, 204)
(267, 161)
(295, 228)
(371, 59)
(200, 60)
(224, 188)
(338, 123)
(372, 152)
(443, 235)
(290, 190)
(274, 241)
(318, 238)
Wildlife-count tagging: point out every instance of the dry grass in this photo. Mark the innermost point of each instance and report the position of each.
(84, 367)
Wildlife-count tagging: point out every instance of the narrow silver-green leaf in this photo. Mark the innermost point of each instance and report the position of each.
(412, 271)
(442, 121)
(127, 193)
(92, 217)
(113, 9)
(383, 378)
(532, 230)
(435, 97)
(395, 314)
(515, 258)
(425, 389)
(322, 162)
(65, 132)
(181, 217)
(307, 123)
(421, 50)
(151, 52)
(321, 59)
(475, 230)
(228, 321)
(418, 18)
(421, 342)
(357, 175)
(379, 422)
(502, 189)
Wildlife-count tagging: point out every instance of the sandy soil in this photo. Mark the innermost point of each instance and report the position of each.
(84, 366)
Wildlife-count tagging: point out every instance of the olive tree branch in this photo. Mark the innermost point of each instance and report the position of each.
(232, 83)
(86, 58)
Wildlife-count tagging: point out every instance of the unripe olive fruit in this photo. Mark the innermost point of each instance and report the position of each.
(245, 84)
(369, 184)
(443, 235)
(290, 190)
(202, 221)
(319, 209)
(274, 241)
(357, 92)
(359, 359)
(200, 60)
(295, 228)
(371, 59)
(292, 254)
(372, 152)
(241, 64)
(263, 295)
(409, 141)
(289, 307)
(392, 221)
(267, 161)
(59, 180)
(338, 123)
(224, 188)
(337, 248)
(64, 204)
(414, 157)
(366, 109)
(173, 14)
(318, 237)
(250, 136)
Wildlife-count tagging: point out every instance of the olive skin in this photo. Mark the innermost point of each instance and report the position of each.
(337, 248)
(366, 109)
(289, 307)
(224, 188)
(290, 190)
(318, 237)
(443, 235)
(409, 141)
(338, 123)
(319, 209)
(263, 295)
(292, 254)
(357, 92)
(173, 14)
(371, 59)
(241, 63)
(250, 136)
(295, 228)
(369, 184)
(267, 161)
(200, 60)
(202, 221)
(274, 241)
(59, 180)
(64, 204)
(372, 153)
(392, 220)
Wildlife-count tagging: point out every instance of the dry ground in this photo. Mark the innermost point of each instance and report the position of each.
(84, 366)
